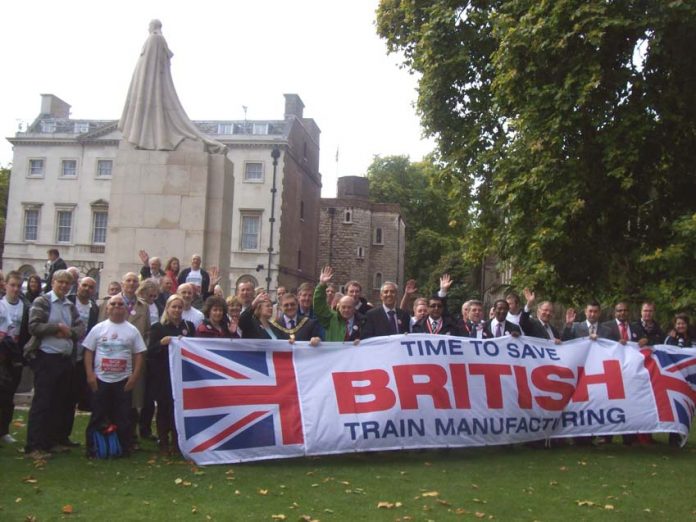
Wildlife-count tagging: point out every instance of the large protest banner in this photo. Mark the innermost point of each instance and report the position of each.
(246, 400)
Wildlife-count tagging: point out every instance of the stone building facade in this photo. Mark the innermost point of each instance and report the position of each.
(360, 239)
(60, 190)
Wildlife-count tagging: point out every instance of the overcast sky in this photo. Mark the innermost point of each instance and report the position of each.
(226, 54)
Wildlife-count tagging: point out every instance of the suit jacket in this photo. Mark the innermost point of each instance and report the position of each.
(577, 330)
(654, 335)
(610, 330)
(509, 328)
(449, 327)
(58, 264)
(377, 323)
(252, 329)
(469, 329)
(533, 327)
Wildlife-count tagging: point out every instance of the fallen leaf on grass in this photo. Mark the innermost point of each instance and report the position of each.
(67, 509)
(388, 505)
(18, 424)
(178, 481)
(475, 486)
(442, 502)
(608, 506)
(553, 483)
(307, 518)
(263, 492)
(584, 503)
(461, 511)
(279, 516)
(18, 500)
(29, 480)
(194, 510)
(479, 501)
(563, 468)
(430, 494)
(479, 514)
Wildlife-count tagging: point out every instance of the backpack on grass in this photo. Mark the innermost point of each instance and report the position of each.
(105, 443)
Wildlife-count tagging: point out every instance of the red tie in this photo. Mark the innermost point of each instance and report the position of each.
(624, 331)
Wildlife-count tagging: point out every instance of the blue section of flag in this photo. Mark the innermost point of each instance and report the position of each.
(191, 372)
(682, 414)
(665, 358)
(259, 434)
(254, 360)
(194, 425)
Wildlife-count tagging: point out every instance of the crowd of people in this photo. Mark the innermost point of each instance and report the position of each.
(110, 356)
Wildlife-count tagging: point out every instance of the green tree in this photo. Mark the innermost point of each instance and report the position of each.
(431, 237)
(569, 127)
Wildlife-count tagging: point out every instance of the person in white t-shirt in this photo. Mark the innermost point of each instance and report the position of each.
(191, 314)
(114, 353)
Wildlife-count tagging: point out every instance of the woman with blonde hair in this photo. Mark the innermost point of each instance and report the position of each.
(171, 326)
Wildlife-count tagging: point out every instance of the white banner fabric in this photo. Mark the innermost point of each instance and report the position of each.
(241, 400)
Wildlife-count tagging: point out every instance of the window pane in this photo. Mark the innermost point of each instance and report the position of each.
(253, 172)
(31, 225)
(69, 167)
(100, 225)
(104, 167)
(36, 167)
(250, 232)
(64, 226)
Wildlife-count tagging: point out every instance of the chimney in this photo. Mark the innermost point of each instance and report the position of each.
(52, 106)
(293, 106)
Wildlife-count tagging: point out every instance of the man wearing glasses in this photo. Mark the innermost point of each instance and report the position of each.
(435, 322)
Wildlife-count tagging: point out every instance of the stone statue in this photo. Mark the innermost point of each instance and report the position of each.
(153, 118)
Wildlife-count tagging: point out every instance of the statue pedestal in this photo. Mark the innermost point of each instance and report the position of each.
(169, 203)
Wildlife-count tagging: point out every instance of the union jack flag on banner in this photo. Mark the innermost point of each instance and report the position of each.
(235, 404)
(673, 379)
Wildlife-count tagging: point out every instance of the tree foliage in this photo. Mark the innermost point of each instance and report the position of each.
(431, 239)
(568, 128)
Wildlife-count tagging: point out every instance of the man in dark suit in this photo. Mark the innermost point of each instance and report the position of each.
(499, 326)
(297, 327)
(474, 327)
(386, 319)
(435, 322)
(55, 263)
(619, 329)
(648, 331)
(539, 326)
(587, 328)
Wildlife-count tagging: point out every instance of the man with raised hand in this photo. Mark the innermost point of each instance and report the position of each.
(342, 324)
(587, 328)
(539, 326)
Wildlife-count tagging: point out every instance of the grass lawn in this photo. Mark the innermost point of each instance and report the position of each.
(610, 482)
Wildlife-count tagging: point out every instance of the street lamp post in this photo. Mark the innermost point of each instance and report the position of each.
(275, 154)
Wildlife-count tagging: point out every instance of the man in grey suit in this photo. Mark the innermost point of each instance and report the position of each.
(587, 328)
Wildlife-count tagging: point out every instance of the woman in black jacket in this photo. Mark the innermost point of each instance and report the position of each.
(171, 326)
(680, 336)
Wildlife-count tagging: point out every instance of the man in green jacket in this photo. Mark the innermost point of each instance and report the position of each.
(343, 324)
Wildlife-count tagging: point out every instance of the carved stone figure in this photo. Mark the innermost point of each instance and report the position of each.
(153, 117)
